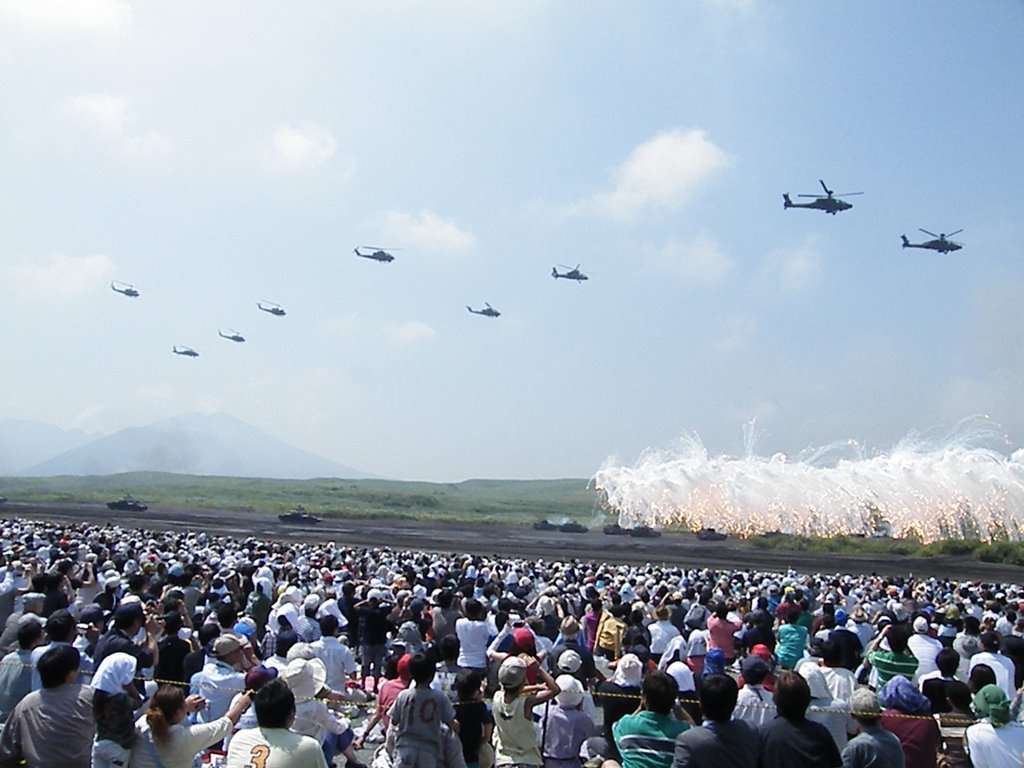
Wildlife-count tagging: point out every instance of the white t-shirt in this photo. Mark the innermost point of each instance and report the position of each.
(274, 748)
(185, 742)
(995, 747)
(473, 637)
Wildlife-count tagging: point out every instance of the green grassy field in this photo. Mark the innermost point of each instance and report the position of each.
(509, 501)
(478, 501)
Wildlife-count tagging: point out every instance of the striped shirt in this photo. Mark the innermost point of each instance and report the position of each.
(647, 739)
(889, 664)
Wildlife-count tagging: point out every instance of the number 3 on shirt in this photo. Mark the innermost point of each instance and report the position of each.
(259, 756)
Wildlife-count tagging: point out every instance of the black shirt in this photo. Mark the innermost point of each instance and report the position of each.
(472, 717)
(795, 744)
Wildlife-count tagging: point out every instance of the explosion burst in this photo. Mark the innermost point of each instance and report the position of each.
(950, 488)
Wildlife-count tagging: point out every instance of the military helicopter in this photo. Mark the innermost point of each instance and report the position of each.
(826, 202)
(940, 243)
(268, 306)
(569, 274)
(186, 351)
(379, 254)
(231, 335)
(487, 311)
(124, 288)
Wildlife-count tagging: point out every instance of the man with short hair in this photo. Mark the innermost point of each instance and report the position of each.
(61, 629)
(335, 655)
(721, 742)
(840, 680)
(17, 669)
(53, 726)
(128, 620)
(271, 744)
(647, 739)
(898, 660)
(1002, 665)
(791, 740)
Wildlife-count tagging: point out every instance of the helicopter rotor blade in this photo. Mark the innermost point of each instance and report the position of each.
(847, 194)
(816, 197)
(928, 233)
(827, 190)
(955, 233)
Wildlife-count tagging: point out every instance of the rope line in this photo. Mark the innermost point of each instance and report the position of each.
(352, 705)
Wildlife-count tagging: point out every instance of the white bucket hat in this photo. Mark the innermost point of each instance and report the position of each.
(306, 677)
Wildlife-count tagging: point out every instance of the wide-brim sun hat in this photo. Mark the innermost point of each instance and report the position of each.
(306, 677)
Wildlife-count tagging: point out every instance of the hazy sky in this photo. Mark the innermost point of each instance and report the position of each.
(220, 153)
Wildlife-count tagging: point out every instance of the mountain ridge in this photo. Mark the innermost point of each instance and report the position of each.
(215, 444)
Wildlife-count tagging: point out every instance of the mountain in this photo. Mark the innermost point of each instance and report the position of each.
(194, 444)
(24, 443)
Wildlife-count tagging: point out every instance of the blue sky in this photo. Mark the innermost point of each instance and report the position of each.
(217, 154)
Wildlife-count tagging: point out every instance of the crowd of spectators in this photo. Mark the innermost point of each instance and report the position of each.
(124, 647)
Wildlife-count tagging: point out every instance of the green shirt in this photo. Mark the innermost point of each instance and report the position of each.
(647, 739)
(889, 664)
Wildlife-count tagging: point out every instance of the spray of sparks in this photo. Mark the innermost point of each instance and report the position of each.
(947, 488)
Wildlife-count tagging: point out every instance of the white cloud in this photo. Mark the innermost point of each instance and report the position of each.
(701, 261)
(104, 113)
(411, 332)
(57, 277)
(297, 147)
(98, 18)
(663, 172)
(795, 269)
(110, 115)
(425, 231)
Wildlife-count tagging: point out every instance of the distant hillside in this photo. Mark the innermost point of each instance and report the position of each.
(193, 444)
(507, 501)
(24, 443)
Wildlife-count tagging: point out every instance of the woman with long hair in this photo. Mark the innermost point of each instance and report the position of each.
(165, 738)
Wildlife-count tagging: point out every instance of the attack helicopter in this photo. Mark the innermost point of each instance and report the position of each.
(274, 309)
(183, 350)
(940, 243)
(569, 274)
(827, 202)
(231, 335)
(126, 289)
(379, 254)
(487, 311)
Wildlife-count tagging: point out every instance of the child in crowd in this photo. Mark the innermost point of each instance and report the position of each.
(417, 715)
(475, 722)
(514, 701)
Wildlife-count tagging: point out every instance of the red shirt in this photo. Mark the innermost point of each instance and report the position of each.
(919, 736)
